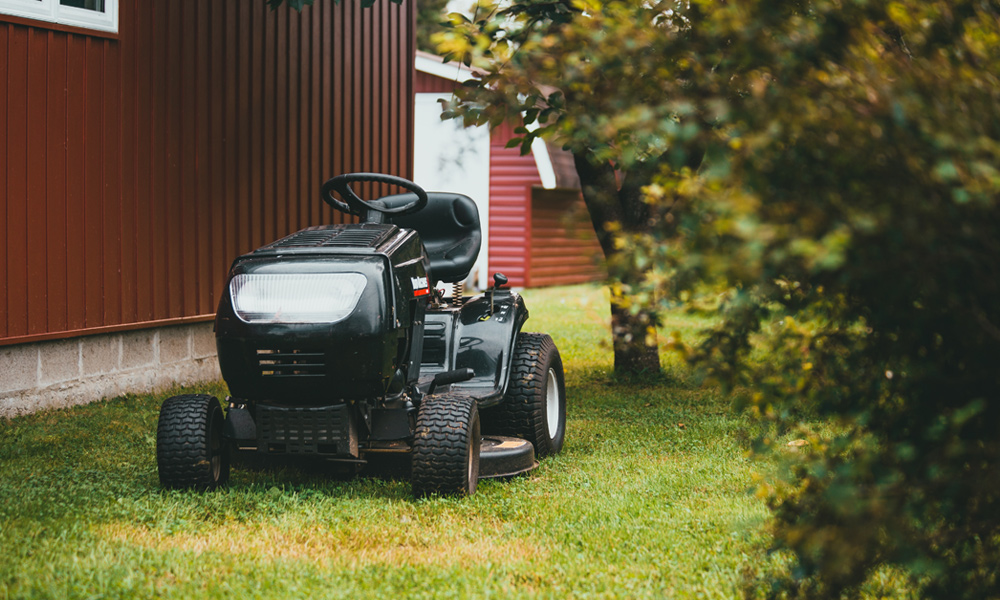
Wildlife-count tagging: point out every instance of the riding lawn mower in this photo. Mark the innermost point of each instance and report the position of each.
(336, 344)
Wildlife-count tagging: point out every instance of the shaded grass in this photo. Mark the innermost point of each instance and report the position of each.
(650, 498)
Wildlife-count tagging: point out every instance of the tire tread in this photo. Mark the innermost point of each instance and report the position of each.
(183, 449)
(522, 411)
(446, 425)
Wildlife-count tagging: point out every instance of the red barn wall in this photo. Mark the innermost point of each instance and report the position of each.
(564, 247)
(135, 167)
(426, 83)
(511, 179)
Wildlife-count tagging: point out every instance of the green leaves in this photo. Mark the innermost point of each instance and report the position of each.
(584, 73)
(834, 165)
(826, 181)
(855, 210)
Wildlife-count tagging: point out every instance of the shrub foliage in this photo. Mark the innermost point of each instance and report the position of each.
(834, 165)
(849, 202)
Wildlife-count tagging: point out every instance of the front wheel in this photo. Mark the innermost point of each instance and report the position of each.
(190, 451)
(446, 446)
(534, 407)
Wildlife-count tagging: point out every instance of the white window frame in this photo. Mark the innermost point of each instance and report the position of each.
(54, 12)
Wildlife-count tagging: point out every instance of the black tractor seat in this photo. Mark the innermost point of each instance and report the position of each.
(449, 228)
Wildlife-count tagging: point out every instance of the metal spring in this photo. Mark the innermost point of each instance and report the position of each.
(458, 293)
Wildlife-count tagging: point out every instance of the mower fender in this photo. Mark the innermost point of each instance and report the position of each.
(486, 333)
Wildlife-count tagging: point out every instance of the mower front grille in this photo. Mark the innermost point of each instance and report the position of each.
(290, 363)
(307, 430)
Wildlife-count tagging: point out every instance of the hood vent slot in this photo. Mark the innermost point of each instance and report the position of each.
(335, 236)
(290, 363)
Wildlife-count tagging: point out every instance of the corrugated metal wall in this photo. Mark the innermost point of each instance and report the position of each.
(135, 169)
(564, 247)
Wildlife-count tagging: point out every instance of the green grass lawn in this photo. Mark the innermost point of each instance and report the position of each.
(651, 497)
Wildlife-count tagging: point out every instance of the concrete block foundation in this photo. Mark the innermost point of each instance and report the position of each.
(61, 373)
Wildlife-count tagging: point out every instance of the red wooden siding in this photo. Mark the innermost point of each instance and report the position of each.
(133, 170)
(511, 179)
(564, 247)
(427, 83)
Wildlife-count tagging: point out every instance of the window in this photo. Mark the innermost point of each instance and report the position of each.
(92, 14)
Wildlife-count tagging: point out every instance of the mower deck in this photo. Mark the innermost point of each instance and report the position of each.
(502, 456)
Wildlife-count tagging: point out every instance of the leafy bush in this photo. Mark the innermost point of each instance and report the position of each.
(848, 201)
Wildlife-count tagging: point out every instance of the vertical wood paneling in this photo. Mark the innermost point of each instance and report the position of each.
(363, 98)
(280, 120)
(427, 83)
(169, 196)
(139, 27)
(314, 151)
(213, 187)
(323, 48)
(230, 71)
(381, 57)
(186, 235)
(564, 247)
(353, 87)
(156, 29)
(136, 169)
(258, 85)
(202, 194)
(511, 179)
(408, 24)
(216, 143)
(390, 31)
(334, 138)
(76, 231)
(37, 175)
(238, 105)
(93, 181)
(111, 179)
(268, 163)
(298, 94)
(17, 182)
(55, 174)
(4, 234)
(129, 208)
(305, 180)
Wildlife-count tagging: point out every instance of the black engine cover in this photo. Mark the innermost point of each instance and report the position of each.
(320, 363)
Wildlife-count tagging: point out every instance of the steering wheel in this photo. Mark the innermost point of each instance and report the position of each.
(354, 205)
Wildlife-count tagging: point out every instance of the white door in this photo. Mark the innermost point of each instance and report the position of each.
(449, 158)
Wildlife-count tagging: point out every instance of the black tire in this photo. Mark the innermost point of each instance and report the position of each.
(446, 446)
(534, 407)
(190, 451)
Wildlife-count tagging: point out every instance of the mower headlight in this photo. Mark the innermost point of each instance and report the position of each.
(296, 297)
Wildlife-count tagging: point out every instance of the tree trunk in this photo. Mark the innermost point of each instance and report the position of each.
(633, 334)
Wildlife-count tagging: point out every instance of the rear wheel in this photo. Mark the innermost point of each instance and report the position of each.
(534, 407)
(446, 446)
(190, 451)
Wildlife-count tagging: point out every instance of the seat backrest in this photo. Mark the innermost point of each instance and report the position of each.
(449, 228)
